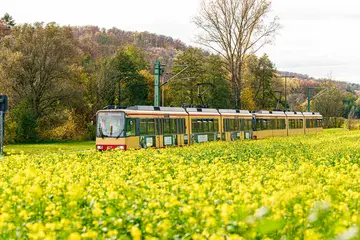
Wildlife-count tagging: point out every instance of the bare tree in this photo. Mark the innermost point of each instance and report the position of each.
(235, 29)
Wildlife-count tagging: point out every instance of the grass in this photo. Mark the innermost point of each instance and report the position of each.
(59, 147)
(73, 146)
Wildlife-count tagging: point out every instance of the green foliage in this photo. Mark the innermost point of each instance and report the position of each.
(8, 20)
(204, 70)
(43, 71)
(263, 72)
(329, 102)
(50, 146)
(26, 123)
(125, 69)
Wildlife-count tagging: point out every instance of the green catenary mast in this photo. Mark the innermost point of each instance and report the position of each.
(157, 75)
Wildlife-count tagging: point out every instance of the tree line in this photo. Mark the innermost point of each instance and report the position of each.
(58, 77)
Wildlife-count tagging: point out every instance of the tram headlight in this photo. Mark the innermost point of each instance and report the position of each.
(122, 147)
(99, 147)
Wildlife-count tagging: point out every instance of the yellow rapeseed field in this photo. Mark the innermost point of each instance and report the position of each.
(305, 187)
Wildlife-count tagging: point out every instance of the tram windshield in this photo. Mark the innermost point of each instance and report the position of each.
(110, 124)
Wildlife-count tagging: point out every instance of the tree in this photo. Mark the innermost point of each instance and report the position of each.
(235, 29)
(183, 89)
(220, 93)
(204, 73)
(38, 70)
(329, 102)
(263, 71)
(8, 20)
(44, 72)
(120, 81)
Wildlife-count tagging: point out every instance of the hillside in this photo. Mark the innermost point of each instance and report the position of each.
(107, 41)
(341, 84)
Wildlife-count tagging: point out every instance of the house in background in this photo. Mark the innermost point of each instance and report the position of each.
(4, 29)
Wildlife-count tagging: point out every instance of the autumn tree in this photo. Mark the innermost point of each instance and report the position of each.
(329, 102)
(42, 70)
(38, 70)
(235, 29)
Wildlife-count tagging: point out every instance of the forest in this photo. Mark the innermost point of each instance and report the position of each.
(58, 77)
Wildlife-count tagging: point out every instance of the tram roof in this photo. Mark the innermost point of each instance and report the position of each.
(205, 110)
(202, 111)
(160, 109)
(234, 111)
(292, 113)
(270, 113)
(311, 114)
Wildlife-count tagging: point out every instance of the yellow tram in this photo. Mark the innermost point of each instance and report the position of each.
(147, 126)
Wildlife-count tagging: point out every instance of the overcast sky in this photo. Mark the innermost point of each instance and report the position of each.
(319, 37)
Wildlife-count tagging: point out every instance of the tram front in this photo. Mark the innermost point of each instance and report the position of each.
(110, 130)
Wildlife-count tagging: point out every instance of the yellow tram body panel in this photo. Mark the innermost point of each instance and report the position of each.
(236, 124)
(313, 122)
(269, 124)
(204, 125)
(295, 123)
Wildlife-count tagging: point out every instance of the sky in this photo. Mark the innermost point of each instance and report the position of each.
(318, 37)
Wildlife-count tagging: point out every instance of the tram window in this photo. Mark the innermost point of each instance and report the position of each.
(282, 124)
(143, 126)
(180, 126)
(300, 123)
(309, 123)
(232, 125)
(151, 127)
(211, 125)
(173, 126)
(277, 124)
(167, 127)
(170, 126)
(216, 125)
(130, 127)
(272, 124)
(265, 124)
(258, 124)
(195, 125)
(225, 123)
(147, 126)
(247, 124)
(292, 123)
(159, 126)
(206, 125)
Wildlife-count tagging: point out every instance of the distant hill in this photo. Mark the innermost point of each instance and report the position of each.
(107, 41)
(345, 86)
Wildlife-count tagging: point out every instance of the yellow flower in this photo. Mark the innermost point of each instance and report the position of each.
(74, 236)
(135, 233)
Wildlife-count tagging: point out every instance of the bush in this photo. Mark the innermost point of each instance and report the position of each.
(67, 130)
(334, 122)
(21, 124)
